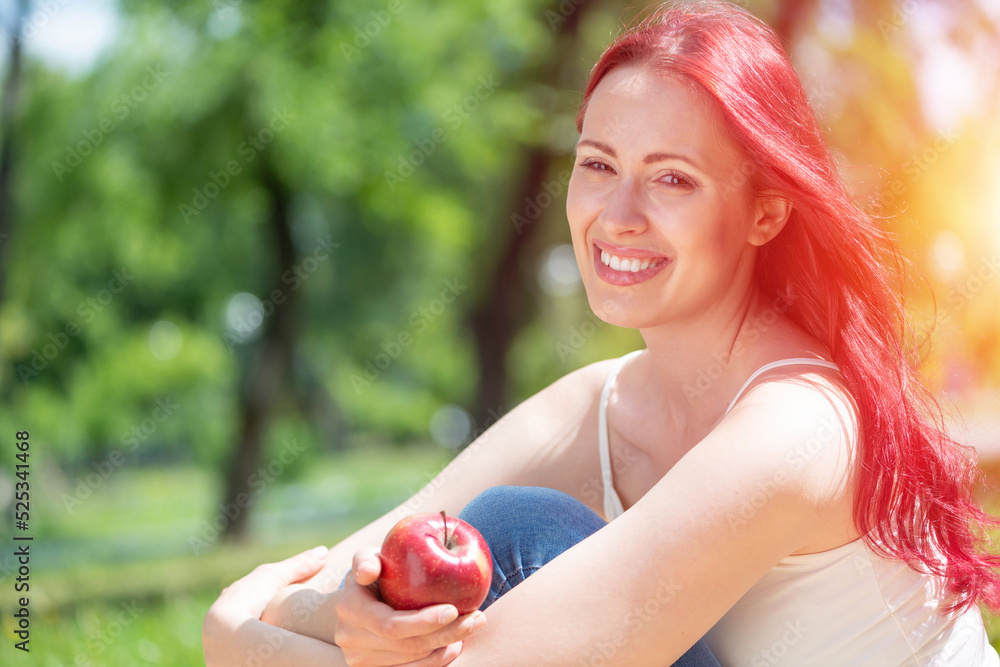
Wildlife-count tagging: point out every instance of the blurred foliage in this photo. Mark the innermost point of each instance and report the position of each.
(142, 190)
(401, 128)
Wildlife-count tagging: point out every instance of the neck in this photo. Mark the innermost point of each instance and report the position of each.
(697, 366)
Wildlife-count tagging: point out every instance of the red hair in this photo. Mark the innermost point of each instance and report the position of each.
(843, 276)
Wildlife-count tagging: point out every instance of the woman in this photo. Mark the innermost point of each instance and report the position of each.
(774, 490)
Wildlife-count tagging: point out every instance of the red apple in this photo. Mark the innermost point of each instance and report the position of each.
(435, 559)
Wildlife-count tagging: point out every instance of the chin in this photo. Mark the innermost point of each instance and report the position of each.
(622, 312)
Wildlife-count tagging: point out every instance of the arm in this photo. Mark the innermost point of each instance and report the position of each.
(534, 444)
(236, 611)
(655, 580)
(232, 633)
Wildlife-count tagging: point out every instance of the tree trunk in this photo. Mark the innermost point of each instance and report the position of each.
(317, 406)
(265, 373)
(11, 91)
(500, 312)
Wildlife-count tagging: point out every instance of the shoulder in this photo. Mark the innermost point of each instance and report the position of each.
(549, 439)
(798, 397)
(545, 418)
(577, 389)
(777, 470)
(804, 426)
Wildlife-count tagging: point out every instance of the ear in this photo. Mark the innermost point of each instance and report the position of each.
(771, 211)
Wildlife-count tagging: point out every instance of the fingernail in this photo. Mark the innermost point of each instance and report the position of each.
(318, 552)
(447, 615)
(479, 621)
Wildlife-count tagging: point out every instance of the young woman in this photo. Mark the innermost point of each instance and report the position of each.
(761, 485)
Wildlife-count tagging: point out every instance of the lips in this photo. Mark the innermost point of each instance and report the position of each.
(622, 266)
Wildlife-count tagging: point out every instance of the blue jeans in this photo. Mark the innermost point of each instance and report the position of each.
(526, 527)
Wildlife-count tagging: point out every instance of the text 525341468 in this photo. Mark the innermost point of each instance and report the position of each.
(22, 541)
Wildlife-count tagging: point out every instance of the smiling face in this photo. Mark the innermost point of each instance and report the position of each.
(663, 218)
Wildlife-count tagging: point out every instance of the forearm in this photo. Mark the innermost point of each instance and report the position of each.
(297, 608)
(257, 643)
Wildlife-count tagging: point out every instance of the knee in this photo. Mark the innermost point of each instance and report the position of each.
(499, 507)
(485, 508)
(512, 502)
(529, 525)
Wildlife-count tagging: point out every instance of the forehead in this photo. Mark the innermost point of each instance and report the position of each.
(636, 108)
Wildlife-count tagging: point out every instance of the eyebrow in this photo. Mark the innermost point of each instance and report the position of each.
(650, 158)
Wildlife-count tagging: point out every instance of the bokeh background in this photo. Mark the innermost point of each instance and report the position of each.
(305, 251)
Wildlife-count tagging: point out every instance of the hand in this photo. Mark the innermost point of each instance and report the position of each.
(232, 622)
(373, 634)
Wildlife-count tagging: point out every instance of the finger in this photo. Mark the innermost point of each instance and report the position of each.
(452, 634)
(450, 652)
(356, 593)
(250, 595)
(419, 637)
(366, 566)
(299, 567)
(384, 621)
(443, 656)
(280, 574)
(360, 608)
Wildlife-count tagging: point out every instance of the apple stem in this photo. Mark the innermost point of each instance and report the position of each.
(447, 542)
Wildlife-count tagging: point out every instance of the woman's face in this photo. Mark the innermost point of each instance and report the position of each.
(659, 206)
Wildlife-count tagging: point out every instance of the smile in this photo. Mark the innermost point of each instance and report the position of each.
(630, 267)
(633, 264)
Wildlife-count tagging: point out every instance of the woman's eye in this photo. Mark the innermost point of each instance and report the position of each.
(596, 165)
(675, 179)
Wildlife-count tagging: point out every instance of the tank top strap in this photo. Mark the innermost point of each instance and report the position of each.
(613, 507)
(612, 503)
(801, 361)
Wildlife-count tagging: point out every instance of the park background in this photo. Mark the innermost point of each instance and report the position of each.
(304, 251)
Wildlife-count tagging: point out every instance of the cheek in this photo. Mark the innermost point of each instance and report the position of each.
(579, 210)
(731, 228)
(722, 240)
(577, 216)
(574, 199)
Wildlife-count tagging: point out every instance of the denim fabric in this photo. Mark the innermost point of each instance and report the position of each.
(528, 526)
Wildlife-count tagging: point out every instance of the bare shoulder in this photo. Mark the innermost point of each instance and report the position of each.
(804, 423)
(549, 439)
(549, 417)
(577, 388)
(552, 421)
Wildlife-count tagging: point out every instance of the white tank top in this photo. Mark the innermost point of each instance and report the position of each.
(846, 606)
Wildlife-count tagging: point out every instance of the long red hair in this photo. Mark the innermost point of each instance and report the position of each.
(843, 276)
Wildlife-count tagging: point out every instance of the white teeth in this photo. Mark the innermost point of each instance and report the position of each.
(630, 264)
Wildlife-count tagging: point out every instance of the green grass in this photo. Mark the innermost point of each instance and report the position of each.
(116, 581)
(151, 631)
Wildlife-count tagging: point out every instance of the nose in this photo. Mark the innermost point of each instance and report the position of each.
(623, 209)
